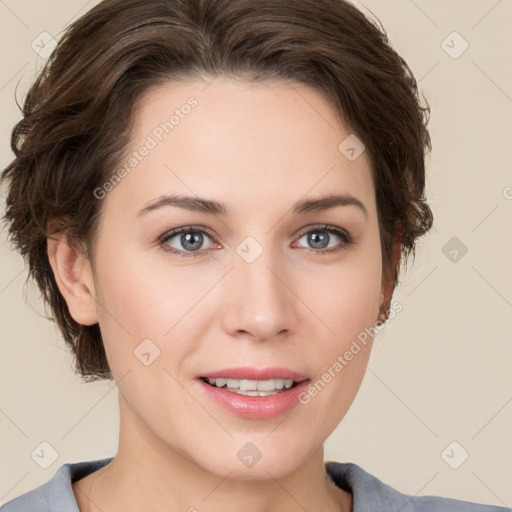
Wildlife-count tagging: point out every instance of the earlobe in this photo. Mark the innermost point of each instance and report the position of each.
(388, 285)
(73, 275)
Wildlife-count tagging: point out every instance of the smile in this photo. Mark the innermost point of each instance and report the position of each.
(249, 387)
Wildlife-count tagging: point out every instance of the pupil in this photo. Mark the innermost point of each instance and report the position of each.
(315, 239)
(188, 240)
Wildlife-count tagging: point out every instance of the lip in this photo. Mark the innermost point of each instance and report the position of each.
(249, 373)
(254, 407)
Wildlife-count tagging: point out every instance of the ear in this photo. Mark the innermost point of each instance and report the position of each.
(73, 274)
(388, 284)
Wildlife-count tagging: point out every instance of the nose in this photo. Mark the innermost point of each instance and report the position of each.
(260, 302)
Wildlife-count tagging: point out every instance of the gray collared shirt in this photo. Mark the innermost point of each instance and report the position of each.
(370, 494)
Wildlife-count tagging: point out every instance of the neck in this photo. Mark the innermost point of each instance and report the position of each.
(146, 474)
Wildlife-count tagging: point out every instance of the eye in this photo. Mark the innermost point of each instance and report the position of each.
(192, 240)
(320, 237)
(186, 241)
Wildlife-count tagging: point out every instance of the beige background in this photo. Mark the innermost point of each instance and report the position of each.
(440, 371)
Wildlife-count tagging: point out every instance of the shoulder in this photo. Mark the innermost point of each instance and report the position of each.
(55, 495)
(371, 494)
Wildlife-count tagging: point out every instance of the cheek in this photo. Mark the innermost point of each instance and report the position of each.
(348, 303)
(341, 354)
(146, 296)
(144, 300)
(347, 298)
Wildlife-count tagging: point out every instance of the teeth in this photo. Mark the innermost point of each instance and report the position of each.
(247, 385)
(253, 393)
(252, 385)
(230, 383)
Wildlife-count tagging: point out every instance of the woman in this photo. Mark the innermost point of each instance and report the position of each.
(214, 198)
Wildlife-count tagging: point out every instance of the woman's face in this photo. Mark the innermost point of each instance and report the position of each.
(249, 286)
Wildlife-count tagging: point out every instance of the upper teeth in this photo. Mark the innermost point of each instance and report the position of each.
(252, 385)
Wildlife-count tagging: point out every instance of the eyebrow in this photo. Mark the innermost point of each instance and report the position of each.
(201, 205)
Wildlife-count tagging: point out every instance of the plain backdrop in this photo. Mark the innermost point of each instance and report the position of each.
(434, 411)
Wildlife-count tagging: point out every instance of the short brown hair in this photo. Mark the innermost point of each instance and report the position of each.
(78, 112)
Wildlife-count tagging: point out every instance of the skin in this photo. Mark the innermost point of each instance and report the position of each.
(245, 145)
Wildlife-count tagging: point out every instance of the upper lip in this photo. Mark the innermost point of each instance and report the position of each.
(249, 373)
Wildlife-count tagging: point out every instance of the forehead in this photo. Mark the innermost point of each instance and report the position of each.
(237, 141)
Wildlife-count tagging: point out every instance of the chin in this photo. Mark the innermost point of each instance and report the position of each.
(253, 458)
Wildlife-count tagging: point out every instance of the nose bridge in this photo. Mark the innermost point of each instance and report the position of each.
(260, 304)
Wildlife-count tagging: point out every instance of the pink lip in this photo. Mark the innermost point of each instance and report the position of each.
(255, 407)
(246, 372)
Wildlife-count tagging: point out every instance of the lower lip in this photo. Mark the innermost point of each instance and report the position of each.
(255, 407)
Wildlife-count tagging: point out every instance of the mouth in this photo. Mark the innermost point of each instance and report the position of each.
(254, 393)
(249, 387)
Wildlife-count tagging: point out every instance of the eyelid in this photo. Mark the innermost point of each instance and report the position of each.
(184, 229)
(325, 227)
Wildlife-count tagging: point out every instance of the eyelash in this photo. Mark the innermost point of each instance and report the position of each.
(342, 234)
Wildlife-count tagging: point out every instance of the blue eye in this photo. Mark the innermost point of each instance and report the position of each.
(320, 237)
(190, 240)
